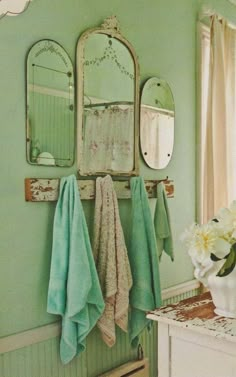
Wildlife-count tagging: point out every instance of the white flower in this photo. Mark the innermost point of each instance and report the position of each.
(227, 219)
(188, 234)
(200, 240)
(221, 248)
(204, 242)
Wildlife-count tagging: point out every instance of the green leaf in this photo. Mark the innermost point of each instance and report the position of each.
(214, 258)
(230, 262)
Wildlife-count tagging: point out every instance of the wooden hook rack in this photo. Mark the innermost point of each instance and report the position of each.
(46, 190)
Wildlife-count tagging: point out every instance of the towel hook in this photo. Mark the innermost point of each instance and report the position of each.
(163, 180)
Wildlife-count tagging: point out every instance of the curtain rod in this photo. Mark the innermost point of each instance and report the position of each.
(159, 109)
(209, 13)
(206, 13)
(109, 104)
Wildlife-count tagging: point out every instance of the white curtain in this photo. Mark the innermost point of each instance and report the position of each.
(157, 136)
(219, 164)
(108, 140)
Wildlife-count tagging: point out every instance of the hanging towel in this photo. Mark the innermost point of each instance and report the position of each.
(162, 223)
(111, 260)
(146, 291)
(74, 290)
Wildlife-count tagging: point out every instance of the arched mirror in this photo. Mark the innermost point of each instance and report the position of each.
(50, 105)
(108, 104)
(157, 118)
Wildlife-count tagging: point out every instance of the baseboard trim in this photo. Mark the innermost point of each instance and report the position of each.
(43, 333)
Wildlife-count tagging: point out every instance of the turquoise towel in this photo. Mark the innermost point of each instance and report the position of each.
(162, 223)
(146, 291)
(74, 290)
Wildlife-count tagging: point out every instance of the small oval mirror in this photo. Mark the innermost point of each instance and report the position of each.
(50, 105)
(157, 123)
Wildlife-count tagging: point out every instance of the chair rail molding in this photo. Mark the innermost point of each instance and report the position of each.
(26, 338)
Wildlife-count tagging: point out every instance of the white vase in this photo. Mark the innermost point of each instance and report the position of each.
(223, 292)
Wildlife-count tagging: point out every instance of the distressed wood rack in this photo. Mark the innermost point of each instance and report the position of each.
(46, 189)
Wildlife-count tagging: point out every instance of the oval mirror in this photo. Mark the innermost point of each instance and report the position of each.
(50, 105)
(157, 123)
(107, 102)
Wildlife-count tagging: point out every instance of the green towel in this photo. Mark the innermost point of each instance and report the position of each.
(162, 223)
(74, 290)
(145, 294)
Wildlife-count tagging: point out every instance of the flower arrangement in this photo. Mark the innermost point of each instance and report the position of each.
(212, 246)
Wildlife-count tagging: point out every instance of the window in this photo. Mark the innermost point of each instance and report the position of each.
(217, 118)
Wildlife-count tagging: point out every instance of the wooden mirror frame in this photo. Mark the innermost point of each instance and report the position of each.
(111, 28)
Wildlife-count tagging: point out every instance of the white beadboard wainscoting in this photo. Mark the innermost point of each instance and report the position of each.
(35, 353)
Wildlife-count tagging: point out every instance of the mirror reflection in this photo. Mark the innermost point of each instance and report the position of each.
(157, 123)
(50, 105)
(107, 117)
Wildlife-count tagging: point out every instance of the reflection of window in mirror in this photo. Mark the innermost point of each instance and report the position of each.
(217, 117)
(157, 123)
(108, 108)
(109, 83)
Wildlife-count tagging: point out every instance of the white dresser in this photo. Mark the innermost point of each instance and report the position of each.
(193, 341)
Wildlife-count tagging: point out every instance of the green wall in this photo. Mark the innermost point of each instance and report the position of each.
(163, 33)
(163, 36)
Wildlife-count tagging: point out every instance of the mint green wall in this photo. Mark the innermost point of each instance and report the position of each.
(163, 35)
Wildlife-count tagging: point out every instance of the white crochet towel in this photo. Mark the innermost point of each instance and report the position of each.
(111, 260)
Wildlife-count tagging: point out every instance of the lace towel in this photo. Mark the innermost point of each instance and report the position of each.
(111, 260)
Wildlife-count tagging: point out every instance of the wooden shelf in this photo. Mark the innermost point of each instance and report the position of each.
(46, 190)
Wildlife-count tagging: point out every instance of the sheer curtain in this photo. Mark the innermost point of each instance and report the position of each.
(157, 136)
(108, 140)
(219, 149)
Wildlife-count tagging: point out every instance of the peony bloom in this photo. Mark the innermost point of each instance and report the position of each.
(227, 220)
(208, 246)
(200, 240)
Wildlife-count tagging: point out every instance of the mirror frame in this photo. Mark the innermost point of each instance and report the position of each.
(144, 86)
(27, 128)
(109, 27)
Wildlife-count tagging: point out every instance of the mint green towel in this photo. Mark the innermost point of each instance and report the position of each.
(162, 223)
(145, 294)
(74, 291)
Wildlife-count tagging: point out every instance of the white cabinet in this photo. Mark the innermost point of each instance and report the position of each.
(193, 341)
